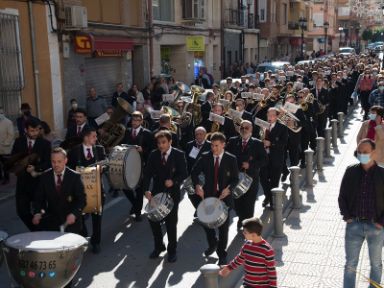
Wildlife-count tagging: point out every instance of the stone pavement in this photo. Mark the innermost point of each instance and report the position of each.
(312, 253)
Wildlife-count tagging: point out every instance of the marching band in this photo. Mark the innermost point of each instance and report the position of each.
(228, 139)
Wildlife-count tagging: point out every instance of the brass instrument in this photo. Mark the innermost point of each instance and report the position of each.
(175, 116)
(112, 131)
(307, 100)
(196, 92)
(19, 162)
(288, 119)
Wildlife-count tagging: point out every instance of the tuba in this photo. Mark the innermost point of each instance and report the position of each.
(288, 119)
(112, 131)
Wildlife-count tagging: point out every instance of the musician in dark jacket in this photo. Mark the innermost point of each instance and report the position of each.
(143, 139)
(322, 98)
(167, 170)
(251, 156)
(38, 151)
(73, 136)
(207, 106)
(165, 123)
(227, 128)
(275, 142)
(221, 175)
(84, 155)
(60, 196)
(193, 152)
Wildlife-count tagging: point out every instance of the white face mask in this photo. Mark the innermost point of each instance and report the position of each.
(74, 106)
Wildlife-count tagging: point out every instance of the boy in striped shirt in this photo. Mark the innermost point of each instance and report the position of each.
(257, 257)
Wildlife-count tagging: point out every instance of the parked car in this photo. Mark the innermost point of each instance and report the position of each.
(271, 66)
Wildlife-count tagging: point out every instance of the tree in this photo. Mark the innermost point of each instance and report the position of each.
(367, 35)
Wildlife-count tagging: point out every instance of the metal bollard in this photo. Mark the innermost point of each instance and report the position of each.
(211, 275)
(320, 153)
(334, 133)
(340, 127)
(295, 186)
(327, 143)
(277, 194)
(309, 167)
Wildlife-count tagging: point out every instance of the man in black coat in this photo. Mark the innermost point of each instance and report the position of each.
(122, 94)
(206, 107)
(275, 142)
(228, 128)
(143, 139)
(221, 176)
(83, 155)
(39, 151)
(73, 136)
(251, 156)
(322, 98)
(165, 123)
(167, 170)
(60, 196)
(194, 150)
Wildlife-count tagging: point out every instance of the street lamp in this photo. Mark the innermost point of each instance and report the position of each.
(341, 29)
(326, 26)
(303, 25)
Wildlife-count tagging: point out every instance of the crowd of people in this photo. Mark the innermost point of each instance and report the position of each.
(260, 126)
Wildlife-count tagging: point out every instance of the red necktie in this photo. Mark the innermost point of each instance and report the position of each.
(216, 177)
(267, 134)
(163, 160)
(29, 147)
(133, 133)
(89, 155)
(244, 144)
(78, 130)
(58, 183)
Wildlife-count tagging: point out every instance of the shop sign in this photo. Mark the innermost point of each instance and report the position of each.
(195, 43)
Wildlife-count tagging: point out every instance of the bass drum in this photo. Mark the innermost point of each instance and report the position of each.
(92, 185)
(44, 259)
(3, 236)
(124, 167)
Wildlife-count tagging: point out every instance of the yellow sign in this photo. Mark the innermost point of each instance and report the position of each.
(195, 43)
(83, 44)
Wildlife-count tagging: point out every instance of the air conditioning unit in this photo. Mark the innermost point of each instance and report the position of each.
(75, 17)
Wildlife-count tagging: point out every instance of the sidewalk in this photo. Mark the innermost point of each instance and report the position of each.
(7, 191)
(312, 253)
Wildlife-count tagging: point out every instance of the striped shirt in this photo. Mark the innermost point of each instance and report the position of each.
(259, 264)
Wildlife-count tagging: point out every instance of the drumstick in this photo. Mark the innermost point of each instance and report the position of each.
(62, 227)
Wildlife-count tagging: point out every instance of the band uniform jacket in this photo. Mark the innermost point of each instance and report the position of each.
(205, 110)
(228, 129)
(190, 160)
(58, 205)
(228, 174)
(175, 169)
(175, 138)
(72, 131)
(278, 137)
(76, 156)
(144, 139)
(322, 95)
(41, 147)
(253, 153)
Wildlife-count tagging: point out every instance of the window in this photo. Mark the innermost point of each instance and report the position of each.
(194, 9)
(263, 11)
(273, 12)
(11, 65)
(285, 14)
(163, 10)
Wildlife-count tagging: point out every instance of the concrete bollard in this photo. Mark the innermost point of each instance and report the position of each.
(327, 143)
(334, 133)
(309, 167)
(210, 275)
(277, 194)
(295, 186)
(320, 153)
(340, 127)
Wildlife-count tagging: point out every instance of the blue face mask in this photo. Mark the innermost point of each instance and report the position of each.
(372, 116)
(364, 158)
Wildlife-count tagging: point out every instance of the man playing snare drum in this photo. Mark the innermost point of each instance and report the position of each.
(167, 168)
(221, 176)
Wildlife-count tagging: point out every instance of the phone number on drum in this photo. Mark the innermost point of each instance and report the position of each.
(37, 265)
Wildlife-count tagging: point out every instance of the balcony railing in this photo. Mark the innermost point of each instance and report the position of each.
(234, 17)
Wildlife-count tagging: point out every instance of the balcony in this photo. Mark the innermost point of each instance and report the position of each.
(234, 17)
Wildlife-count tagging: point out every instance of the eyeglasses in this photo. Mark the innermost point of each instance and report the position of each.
(245, 128)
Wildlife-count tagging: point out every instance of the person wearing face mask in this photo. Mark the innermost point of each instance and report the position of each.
(361, 203)
(368, 128)
(377, 96)
(71, 119)
(25, 116)
(364, 86)
(7, 136)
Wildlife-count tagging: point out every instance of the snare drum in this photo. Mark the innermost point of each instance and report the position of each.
(159, 207)
(242, 187)
(124, 167)
(92, 185)
(187, 186)
(3, 236)
(44, 259)
(212, 212)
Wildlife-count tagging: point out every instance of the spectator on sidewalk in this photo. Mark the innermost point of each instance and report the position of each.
(361, 203)
(7, 137)
(368, 128)
(71, 118)
(377, 96)
(256, 255)
(25, 116)
(95, 107)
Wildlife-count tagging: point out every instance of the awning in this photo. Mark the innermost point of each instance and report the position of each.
(103, 45)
